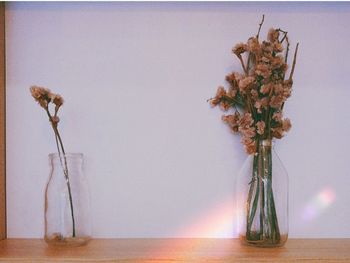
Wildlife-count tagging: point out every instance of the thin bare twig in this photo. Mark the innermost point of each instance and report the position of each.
(260, 25)
(294, 62)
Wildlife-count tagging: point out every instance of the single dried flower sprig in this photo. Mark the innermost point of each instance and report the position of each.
(45, 97)
(258, 94)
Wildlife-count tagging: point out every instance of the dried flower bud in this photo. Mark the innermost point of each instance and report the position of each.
(219, 94)
(239, 49)
(264, 102)
(273, 35)
(232, 121)
(266, 47)
(248, 132)
(276, 101)
(224, 105)
(277, 116)
(263, 70)
(258, 105)
(277, 47)
(244, 83)
(232, 93)
(278, 89)
(231, 78)
(265, 89)
(41, 95)
(286, 125)
(255, 94)
(57, 100)
(277, 132)
(277, 62)
(253, 45)
(260, 127)
(249, 145)
(246, 120)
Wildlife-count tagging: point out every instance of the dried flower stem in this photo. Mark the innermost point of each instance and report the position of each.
(261, 193)
(60, 148)
(243, 66)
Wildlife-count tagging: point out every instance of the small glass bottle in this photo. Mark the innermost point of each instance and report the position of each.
(67, 202)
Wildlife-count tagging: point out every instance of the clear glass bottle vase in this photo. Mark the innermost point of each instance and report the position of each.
(67, 202)
(262, 196)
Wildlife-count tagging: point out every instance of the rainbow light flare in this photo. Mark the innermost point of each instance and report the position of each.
(318, 204)
(217, 222)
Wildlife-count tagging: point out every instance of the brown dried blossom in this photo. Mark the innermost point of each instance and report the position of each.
(224, 105)
(41, 95)
(254, 94)
(266, 47)
(277, 132)
(246, 120)
(247, 132)
(232, 121)
(277, 116)
(239, 49)
(260, 127)
(249, 145)
(263, 70)
(219, 94)
(265, 89)
(44, 97)
(258, 105)
(231, 79)
(232, 92)
(273, 35)
(277, 47)
(244, 83)
(253, 45)
(57, 100)
(276, 101)
(278, 89)
(286, 125)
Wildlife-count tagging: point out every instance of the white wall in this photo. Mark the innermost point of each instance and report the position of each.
(135, 78)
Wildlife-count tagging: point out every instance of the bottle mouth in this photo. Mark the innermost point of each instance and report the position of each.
(67, 155)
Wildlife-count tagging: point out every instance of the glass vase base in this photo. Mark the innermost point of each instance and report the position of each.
(264, 243)
(59, 240)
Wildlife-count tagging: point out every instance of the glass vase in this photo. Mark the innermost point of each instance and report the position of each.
(67, 202)
(262, 187)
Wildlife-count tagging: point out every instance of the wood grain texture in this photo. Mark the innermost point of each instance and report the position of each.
(175, 250)
(2, 124)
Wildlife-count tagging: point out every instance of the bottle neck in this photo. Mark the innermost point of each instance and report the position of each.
(265, 146)
(70, 161)
(265, 143)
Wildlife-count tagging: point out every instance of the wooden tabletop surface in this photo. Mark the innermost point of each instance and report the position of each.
(175, 250)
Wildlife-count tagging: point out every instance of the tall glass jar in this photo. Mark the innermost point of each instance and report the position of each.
(67, 202)
(262, 188)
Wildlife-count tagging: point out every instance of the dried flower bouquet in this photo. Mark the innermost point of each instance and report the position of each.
(257, 97)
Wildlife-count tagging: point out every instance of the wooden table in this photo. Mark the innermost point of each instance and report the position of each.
(175, 250)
